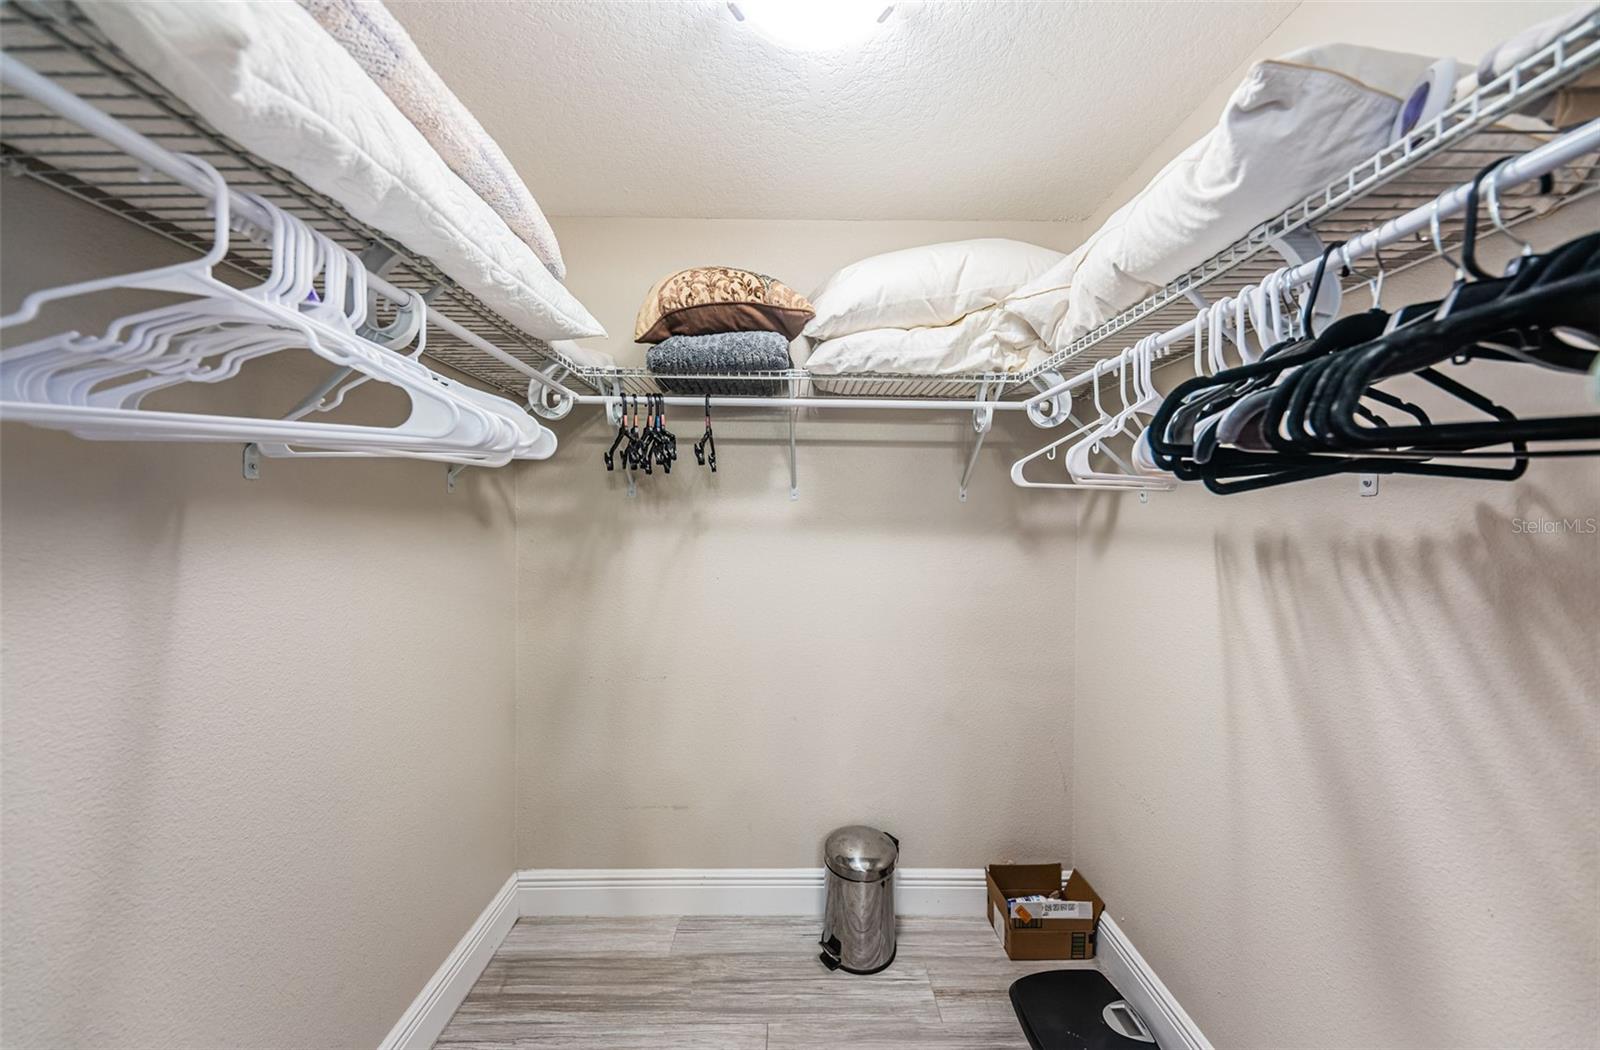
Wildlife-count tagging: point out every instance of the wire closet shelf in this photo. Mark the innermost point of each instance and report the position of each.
(55, 40)
(61, 44)
(1439, 155)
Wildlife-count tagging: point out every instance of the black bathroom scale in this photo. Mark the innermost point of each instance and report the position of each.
(1068, 1010)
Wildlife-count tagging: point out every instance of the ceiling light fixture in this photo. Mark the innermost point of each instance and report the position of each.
(812, 25)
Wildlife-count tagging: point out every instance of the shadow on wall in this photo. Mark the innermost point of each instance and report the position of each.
(1413, 706)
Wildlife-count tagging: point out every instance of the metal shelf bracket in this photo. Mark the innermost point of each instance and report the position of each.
(982, 422)
(794, 476)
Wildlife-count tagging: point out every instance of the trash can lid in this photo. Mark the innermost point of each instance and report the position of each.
(860, 853)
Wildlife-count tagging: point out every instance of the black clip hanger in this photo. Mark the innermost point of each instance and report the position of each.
(705, 450)
(634, 453)
(646, 456)
(664, 444)
(610, 454)
(669, 442)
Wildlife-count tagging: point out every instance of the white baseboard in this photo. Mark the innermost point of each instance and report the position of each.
(433, 1007)
(1124, 967)
(731, 891)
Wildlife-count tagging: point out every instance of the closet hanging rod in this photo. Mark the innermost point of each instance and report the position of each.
(1537, 162)
(23, 79)
(718, 401)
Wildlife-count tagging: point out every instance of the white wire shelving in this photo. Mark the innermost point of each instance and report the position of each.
(57, 41)
(125, 166)
(1435, 157)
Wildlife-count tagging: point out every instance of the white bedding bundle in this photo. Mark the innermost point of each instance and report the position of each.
(268, 76)
(385, 52)
(1291, 127)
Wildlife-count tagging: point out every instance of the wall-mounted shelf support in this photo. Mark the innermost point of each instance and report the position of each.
(451, 473)
(547, 397)
(982, 423)
(252, 462)
(794, 477)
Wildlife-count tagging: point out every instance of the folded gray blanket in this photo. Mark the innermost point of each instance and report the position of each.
(719, 354)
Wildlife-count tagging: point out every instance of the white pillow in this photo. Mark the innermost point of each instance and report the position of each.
(1042, 303)
(1292, 127)
(983, 341)
(935, 284)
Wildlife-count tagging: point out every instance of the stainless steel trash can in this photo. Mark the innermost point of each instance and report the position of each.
(858, 919)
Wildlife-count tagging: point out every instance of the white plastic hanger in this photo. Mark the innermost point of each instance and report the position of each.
(61, 380)
(1077, 457)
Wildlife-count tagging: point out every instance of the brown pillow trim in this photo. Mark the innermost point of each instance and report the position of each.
(710, 318)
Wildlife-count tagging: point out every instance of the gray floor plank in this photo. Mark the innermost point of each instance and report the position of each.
(978, 990)
(745, 935)
(626, 1037)
(612, 989)
(894, 1035)
(709, 982)
(943, 939)
(974, 1006)
(917, 938)
(686, 989)
(600, 936)
(773, 987)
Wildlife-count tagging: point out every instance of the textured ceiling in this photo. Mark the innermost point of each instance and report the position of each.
(948, 111)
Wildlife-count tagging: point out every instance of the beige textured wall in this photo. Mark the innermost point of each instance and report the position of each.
(1337, 759)
(711, 675)
(257, 735)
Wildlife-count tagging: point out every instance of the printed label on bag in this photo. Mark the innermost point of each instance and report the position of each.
(1030, 911)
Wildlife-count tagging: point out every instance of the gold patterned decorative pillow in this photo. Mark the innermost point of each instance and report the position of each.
(710, 299)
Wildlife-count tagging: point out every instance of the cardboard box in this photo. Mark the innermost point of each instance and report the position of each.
(1050, 936)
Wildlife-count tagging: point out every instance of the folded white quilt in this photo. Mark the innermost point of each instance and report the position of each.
(385, 51)
(266, 75)
(983, 341)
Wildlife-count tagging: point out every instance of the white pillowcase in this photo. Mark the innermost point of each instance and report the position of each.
(1292, 127)
(936, 284)
(268, 76)
(983, 341)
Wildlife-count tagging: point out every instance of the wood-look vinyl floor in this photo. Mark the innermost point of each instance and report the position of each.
(733, 983)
